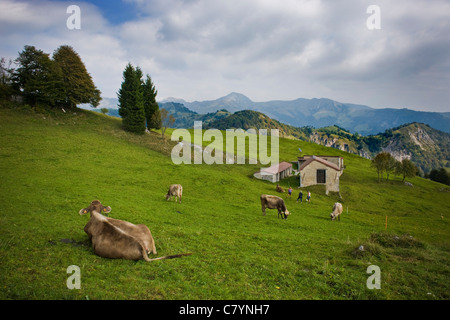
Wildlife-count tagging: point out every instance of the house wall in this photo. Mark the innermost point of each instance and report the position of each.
(285, 173)
(308, 176)
(268, 177)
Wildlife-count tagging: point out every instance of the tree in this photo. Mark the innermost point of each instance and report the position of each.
(78, 86)
(440, 175)
(6, 71)
(155, 121)
(166, 120)
(150, 104)
(384, 162)
(378, 163)
(38, 78)
(131, 101)
(390, 165)
(406, 169)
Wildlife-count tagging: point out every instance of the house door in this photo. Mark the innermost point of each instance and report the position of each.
(321, 176)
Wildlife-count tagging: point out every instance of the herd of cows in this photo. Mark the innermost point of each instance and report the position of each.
(118, 239)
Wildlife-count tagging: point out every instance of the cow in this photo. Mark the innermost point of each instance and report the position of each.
(274, 202)
(175, 190)
(279, 189)
(118, 239)
(337, 210)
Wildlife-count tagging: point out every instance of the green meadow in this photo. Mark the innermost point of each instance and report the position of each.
(52, 164)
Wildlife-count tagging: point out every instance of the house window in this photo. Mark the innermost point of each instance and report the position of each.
(321, 176)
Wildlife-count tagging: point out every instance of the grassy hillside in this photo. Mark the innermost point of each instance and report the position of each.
(52, 165)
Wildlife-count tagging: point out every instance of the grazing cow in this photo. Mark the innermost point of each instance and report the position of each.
(279, 189)
(175, 190)
(117, 239)
(337, 210)
(274, 202)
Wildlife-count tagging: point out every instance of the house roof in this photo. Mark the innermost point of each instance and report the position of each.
(321, 160)
(320, 156)
(276, 168)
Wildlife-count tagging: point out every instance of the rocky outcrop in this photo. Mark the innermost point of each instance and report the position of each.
(328, 141)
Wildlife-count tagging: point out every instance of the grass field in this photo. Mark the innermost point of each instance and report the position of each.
(54, 164)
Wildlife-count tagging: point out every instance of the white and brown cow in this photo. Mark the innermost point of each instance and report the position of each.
(118, 239)
(175, 190)
(274, 202)
(337, 210)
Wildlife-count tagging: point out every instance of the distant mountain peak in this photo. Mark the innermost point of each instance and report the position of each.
(173, 99)
(236, 96)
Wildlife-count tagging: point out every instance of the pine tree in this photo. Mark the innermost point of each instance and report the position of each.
(131, 100)
(150, 104)
(78, 86)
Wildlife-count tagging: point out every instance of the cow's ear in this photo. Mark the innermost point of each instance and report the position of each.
(83, 211)
(106, 209)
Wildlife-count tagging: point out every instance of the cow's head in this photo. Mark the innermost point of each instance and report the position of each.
(333, 216)
(287, 213)
(96, 206)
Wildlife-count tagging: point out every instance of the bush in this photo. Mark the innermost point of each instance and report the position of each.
(440, 175)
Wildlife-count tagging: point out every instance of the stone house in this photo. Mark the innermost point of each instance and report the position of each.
(324, 170)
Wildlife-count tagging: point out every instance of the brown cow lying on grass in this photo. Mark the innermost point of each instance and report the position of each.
(118, 239)
(274, 202)
(175, 190)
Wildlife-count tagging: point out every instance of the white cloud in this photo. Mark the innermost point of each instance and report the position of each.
(202, 49)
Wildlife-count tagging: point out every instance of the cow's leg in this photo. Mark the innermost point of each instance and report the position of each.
(264, 210)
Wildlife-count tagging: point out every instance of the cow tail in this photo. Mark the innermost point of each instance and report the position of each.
(166, 257)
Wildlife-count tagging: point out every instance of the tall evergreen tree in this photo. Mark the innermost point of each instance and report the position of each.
(131, 100)
(150, 104)
(78, 86)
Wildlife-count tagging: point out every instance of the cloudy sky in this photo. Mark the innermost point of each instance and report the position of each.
(265, 49)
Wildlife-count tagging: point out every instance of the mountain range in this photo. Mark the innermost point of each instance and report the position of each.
(322, 113)
(315, 112)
